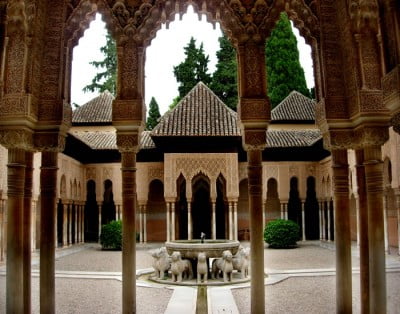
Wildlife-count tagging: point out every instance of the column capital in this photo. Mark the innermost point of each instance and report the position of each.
(254, 139)
(21, 138)
(128, 141)
(49, 141)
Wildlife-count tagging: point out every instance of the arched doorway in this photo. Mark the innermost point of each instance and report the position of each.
(243, 211)
(294, 204)
(156, 212)
(273, 203)
(201, 206)
(311, 211)
(108, 206)
(181, 209)
(221, 209)
(91, 213)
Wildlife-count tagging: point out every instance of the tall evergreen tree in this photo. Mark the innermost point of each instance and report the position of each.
(193, 69)
(106, 79)
(284, 71)
(224, 79)
(154, 114)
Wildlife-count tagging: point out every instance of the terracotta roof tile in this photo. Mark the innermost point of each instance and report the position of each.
(295, 107)
(98, 139)
(199, 113)
(97, 110)
(292, 138)
(146, 142)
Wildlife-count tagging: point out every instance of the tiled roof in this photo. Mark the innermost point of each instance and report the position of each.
(146, 142)
(108, 140)
(97, 110)
(199, 113)
(98, 139)
(295, 107)
(292, 138)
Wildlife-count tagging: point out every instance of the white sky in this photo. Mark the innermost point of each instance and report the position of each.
(165, 51)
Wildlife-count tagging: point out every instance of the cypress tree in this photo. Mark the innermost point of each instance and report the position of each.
(284, 71)
(154, 114)
(105, 80)
(193, 69)
(224, 80)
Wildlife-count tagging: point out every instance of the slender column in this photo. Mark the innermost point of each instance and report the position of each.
(128, 161)
(235, 221)
(328, 211)
(398, 220)
(324, 220)
(363, 231)
(303, 222)
(76, 224)
(189, 220)
(340, 169)
(48, 184)
(231, 221)
(141, 223)
(213, 222)
(385, 226)
(99, 206)
(358, 220)
(282, 210)
(256, 231)
(173, 221)
(15, 208)
(144, 224)
(168, 222)
(320, 219)
(2, 225)
(264, 209)
(286, 210)
(374, 188)
(27, 231)
(83, 224)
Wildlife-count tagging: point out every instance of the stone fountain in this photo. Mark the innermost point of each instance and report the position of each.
(187, 262)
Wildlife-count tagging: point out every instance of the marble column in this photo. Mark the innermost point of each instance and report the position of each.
(48, 184)
(230, 218)
(358, 220)
(2, 227)
(189, 205)
(173, 221)
(324, 221)
(83, 224)
(329, 223)
(264, 210)
(374, 191)
(397, 191)
(256, 231)
(303, 222)
(385, 223)
(128, 165)
(235, 221)
(15, 209)
(213, 222)
(282, 210)
(76, 224)
(144, 224)
(141, 223)
(340, 174)
(320, 219)
(99, 207)
(286, 210)
(168, 222)
(69, 211)
(363, 232)
(27, 231)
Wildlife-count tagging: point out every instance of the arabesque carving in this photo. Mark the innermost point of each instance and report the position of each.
(365, 15)
(17, 138)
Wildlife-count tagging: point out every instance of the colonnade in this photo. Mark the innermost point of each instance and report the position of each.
(73, 223)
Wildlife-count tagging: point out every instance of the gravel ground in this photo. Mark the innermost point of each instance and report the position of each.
(293, 295)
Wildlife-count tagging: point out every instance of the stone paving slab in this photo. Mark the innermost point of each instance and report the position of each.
(183, 300)
(221, 301)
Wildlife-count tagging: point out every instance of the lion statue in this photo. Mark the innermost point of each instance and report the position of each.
(223, 265)
(241, 261)
(202, 268)
(161, 262)
(180, 268)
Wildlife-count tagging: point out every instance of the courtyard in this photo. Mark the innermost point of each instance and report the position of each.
(301, 280)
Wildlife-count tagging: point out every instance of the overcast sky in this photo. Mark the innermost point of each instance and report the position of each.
(165, 51)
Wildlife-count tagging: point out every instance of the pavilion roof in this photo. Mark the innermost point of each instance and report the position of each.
(295, 107)
(97, 110)
(199, 113)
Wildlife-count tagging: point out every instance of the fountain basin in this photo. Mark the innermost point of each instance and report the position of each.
(212, 248)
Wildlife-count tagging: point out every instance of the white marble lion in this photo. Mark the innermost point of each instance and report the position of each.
(241, 261)
(223, 265)
(202, 268)
(161, 262)
(180, 268)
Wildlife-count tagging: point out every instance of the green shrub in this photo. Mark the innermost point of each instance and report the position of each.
(281, 233)
(111, 235)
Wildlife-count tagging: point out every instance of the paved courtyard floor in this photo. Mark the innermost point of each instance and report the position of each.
(301, 280)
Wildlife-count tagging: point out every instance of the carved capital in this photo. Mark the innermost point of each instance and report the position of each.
(16, 18)
(254, 139)
(17, 138)
(372, 136)
(49, 141)
(340, 139)
(365, 15)
(254, 109)
(128, 141)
